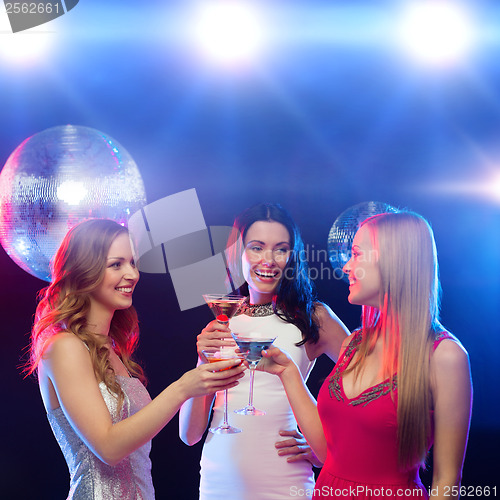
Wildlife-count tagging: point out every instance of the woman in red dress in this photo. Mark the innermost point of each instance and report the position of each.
(402, 382)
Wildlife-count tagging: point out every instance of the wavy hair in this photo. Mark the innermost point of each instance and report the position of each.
(77, 270)
(295, 295)
(408, 322)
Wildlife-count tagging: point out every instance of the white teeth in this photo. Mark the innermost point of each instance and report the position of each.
(122, 289)
(266, 274)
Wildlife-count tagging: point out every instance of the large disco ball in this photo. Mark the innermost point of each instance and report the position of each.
(57, 178)
(345, 227)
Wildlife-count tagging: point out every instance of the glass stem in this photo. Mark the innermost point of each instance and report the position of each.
(225, 423)
(250, 395)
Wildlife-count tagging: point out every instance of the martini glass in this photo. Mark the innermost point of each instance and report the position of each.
(214, 357)
(251, 346)
(224, 307)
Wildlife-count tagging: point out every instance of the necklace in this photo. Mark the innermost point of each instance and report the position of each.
(257, 310)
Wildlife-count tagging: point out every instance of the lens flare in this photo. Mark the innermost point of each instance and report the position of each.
(227, 32)
(436, 32)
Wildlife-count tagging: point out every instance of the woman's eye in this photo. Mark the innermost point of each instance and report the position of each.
(282, 250)
(256, 249)
(116, 265)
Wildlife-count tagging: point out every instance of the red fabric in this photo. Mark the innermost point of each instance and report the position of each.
(362, 450)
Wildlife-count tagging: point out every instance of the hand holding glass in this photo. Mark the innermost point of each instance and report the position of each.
(251, 346)
(214, 357)
(224, 307)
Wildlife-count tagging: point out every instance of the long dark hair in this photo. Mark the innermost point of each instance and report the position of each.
(295, 295)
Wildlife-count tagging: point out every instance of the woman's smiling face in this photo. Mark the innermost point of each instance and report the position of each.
(267, 250)
(365, 283)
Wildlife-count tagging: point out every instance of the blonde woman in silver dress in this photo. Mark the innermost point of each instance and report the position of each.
(83, 339)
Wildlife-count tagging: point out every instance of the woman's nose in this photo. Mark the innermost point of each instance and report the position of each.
(268, 257)
(347, 267)
(132, 273)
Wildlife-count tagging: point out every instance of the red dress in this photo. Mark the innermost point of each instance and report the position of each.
(361, 436)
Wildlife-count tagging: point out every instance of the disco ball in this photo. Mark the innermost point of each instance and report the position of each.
(57, 178)
(345, 227)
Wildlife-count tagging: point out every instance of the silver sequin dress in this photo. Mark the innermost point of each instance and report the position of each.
(92, 479)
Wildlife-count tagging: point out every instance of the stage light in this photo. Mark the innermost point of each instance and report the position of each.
(495, 187)
(484, 187)
(23, 48)
(227, 31)
(436, 32)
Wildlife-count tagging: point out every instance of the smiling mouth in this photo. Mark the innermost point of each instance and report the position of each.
(124, 289)
(266, 274)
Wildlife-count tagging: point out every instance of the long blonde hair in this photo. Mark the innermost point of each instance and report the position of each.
(407, 321)
(78, 269)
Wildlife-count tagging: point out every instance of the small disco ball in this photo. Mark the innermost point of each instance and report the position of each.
(345, 227)
(57, 178)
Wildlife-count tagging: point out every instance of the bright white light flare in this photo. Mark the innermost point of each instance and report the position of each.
(227, 31)
(71, 192)
(23, 48)
(436, 32)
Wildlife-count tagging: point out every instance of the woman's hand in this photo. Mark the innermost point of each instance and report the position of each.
(296, 448)
(275, 361)
(209, 378)
(214, 336)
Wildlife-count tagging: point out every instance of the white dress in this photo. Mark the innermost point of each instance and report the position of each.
(246, 466)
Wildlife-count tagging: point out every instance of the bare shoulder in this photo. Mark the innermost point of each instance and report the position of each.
(332, 333)
(450, 366)
(64, 343)
(322, 311)
(65, 348)
(325, 316)
(450, 353)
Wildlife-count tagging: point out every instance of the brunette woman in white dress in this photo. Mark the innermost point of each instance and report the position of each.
(269, 459)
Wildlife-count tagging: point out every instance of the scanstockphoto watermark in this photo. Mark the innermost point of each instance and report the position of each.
(24, 15)
(356, 491)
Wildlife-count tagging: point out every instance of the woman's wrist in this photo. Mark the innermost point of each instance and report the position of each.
(290, 373)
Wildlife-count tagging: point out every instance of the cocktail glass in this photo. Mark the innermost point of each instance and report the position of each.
(213, 357)
(251, 346)
(224, 307)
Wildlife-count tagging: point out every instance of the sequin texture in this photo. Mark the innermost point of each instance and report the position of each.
(90, 478)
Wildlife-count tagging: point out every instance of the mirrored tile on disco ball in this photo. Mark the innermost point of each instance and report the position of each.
(57, 178)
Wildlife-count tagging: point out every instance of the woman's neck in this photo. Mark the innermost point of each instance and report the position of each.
(99, 320)
(257, 298)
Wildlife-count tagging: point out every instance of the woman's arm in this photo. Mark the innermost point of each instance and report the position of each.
(332, 333)
(193, 418)
(67, 364)
(195, 412)
(302, 402)
(452, 395)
